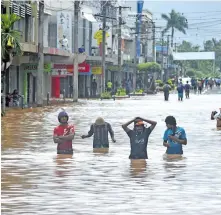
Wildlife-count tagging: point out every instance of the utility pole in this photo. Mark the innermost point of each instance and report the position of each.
(103, 46)
(154, 43)
(75, 72)
(119, 40)
(40, 54)
(104, 28)
(167, 70)
(162, 63)
(119, 43)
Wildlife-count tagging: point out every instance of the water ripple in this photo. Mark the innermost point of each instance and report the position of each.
(37, 181)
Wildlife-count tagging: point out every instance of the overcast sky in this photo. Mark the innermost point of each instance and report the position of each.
(204, 18)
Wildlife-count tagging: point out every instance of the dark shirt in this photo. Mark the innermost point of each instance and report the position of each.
(100, 133)
(187, 87)
(180, 88)
(138, 143)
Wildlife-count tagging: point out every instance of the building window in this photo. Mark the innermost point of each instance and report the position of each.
(27, 28)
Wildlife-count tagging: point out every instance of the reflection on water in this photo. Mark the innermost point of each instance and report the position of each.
(37, 181)
(63, 163)
(101, 151)
(138, 167)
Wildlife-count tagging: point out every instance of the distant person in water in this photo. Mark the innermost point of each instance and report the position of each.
(139, 137)
(217, 116)
(100, 130)
(187, 90)
(64, 134)
(174, 137)
(166, 90)
(180, 89)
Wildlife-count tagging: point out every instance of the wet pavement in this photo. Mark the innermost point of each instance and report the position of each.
(36, 181)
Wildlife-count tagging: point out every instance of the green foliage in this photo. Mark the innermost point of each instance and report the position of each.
(170, 82)
(159, 82)
(10, 39)
(201, 68)
(138, 91)
(190, 72)
(106, 95)
(121, 92)
(149, 67)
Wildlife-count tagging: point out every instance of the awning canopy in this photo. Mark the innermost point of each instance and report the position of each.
(193, 56)
(87, 13)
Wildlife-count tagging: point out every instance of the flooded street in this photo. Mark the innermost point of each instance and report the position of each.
(36, 181)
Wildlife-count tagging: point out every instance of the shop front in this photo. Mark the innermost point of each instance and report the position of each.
(29, 81)
(62, 80)
(97, 76)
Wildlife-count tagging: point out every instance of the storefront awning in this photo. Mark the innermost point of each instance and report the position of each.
(87, 13)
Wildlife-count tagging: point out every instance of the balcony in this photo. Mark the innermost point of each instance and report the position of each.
(95, 55)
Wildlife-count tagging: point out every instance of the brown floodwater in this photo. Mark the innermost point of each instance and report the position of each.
(37, 181)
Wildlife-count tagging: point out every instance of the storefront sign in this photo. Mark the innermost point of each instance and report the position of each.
(96, 70)
(113, 68)
(83, 68)
(33, 67)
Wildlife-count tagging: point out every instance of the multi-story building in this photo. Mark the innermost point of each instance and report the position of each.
(58, 69)
(22, 73)
(89, 25)
(130, 58)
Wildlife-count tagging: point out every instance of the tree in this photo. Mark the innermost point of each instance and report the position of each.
(10, 46)
(214, 45)
(149, 67)
(175, 21)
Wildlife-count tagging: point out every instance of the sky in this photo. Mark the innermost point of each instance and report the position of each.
(204, 18)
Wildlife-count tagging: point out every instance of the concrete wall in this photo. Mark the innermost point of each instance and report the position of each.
(45, 36)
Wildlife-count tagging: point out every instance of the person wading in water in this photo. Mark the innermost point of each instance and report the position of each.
(187, 90)
(174, 137)
(64, 134)
(100, 130)
(166, 90)
(139, 137)
(217, 116)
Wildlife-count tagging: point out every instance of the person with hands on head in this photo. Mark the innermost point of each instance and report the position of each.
(139, 137)
(100, 130)
(64, 134)
(174, 137)
(217, 116)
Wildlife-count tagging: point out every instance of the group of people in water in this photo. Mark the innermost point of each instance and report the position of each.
(181, 88)
(174, 136)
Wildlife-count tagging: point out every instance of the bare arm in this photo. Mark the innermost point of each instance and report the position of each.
(57, 140)
(90, 133)
(67, 137)
(180, 141)
(166, 144)
(153, 123)
(125, 126)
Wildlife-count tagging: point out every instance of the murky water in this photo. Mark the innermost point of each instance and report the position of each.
(36, 181)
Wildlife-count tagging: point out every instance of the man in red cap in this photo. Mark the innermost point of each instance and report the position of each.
(139, 137)
(217, 116)
(64, 134)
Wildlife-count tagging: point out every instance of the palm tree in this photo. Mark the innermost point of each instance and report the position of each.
(175, 21)
(10, 46)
